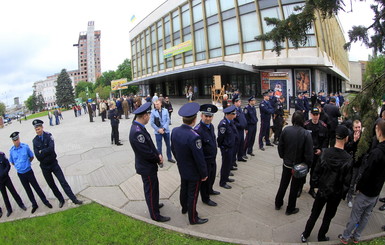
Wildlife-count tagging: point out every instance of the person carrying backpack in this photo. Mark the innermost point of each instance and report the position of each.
(332, 178)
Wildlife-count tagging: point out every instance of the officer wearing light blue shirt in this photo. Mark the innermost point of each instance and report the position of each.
(21, 156)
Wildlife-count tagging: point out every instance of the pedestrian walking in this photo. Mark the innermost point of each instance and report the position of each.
(113, 115)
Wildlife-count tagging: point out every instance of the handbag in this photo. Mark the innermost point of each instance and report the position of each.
(300, 170)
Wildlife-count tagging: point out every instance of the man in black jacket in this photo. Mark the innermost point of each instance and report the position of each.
(369, 187)
(295, 146)
(147, 159)
(44, 149)
(332, 177)
(5, 182)
(334, 113)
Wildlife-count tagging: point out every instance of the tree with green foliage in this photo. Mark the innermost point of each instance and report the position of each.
(2, 108)
(64, 90)
(82, 86)
(40, 104)
(295, 26)
(106, 78)
(124, 70)
(104, 92)
(30, 103)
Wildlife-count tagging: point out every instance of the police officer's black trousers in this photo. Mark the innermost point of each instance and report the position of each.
(115, 133)
(28, 179)
(151, 193)
(227, 160)
(48, 176)
(189, 191)
(278, 125)
(104, 113)
(207, 186)
(8, 184)
(332, 203)
(286, 177)
(250, 137)
(264, 132)
(241, 144)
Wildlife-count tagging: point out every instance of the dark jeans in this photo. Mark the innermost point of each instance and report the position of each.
(332, 203)
(264, 132)
(189, 191)
(151, 193)
(241, 144)
(115, 133)
(207, 186)
(286, 177)
(28, 179)
(56, 170)
(250, 138)
(8, 184)
(166, 137)
(227, 162)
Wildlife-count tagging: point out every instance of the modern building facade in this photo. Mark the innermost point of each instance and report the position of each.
(186, 42)
(89, 67)
(357, 71)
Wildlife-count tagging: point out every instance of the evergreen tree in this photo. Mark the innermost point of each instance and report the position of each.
(64, 90)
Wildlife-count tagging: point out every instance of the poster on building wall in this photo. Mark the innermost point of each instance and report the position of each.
(302, 80)
(323, 82)
(117, 84)
(265, 81)
(278, 83)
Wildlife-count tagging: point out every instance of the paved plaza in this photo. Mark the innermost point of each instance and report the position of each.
(104, 173)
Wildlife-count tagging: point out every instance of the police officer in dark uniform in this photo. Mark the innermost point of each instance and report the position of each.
(251, 117)
(227, 133)
(278, 119)
(272, 99)
(306, 105)
(5, 182)
(147, 159)
(44, 149)
(241, 124)
(209, 144)
(266, 111)
(299, 104)
(319, 134)
(186, 144)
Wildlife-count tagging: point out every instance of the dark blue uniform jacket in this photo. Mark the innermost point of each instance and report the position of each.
(4, 168)
(45, 149)
(146, 155)
(299, 105)
(186, 145)
(113, 115)
(251, 115)
(240, 120)
(227, 134)
(209, 143)
(266, 110)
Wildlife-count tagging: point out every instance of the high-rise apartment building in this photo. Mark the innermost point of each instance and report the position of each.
(89, 68)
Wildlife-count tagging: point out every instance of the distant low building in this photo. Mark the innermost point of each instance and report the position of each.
(357, 71)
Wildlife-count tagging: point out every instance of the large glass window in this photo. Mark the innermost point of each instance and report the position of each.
(153, 35)
(211, 7)
(175, 21)
(147, 38)
(226, 4)
(154, 61)
(148, 62)
(186, 18)
(241, 2)
(200, 45)
(167, 26)
(230, 30)
(267, 3)
(160, 31)
(249, 24)
(214, 40)
(197, 13)
(272, 13)
(161, 59)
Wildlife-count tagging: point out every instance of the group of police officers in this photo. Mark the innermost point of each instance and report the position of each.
(195, 145)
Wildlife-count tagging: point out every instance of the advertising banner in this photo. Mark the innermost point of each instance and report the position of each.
(265, 81)
(177, 49)
(302, 80)
(278, 83)
(116, 84)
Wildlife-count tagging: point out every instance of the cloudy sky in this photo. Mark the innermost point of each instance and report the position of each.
(37, 37)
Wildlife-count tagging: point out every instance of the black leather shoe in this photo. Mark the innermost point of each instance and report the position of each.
(172, 160)
(211, 203)
(231, 174)
(9, 213)
(382, 199)
(312, 193)
(262, 149)
(251, 154)
(275, 142)
(270, 144)
(215, 193)
(61, 203)
(119, 144)
(324, 239)
(242, 160)
(77, 202)
(294, 211)
(48, 204)
(23, 207)
(199, 221)
(226, 186)
(163, 218)
(233, 168)
(303, 238)
(245, 157)
(184, 211)
(278, 207)
(34, 209)
(161, 205)
(382, 208)
(230, 180)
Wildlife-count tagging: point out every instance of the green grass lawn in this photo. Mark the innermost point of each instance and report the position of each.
(95, 224)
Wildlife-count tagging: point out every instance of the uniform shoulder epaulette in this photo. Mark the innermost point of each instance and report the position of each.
(194, 132)
(138, 128)
(197, 126)
(307, 122)
(223, 122)
(323, 123)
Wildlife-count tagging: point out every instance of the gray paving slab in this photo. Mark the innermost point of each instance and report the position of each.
(104, 173)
